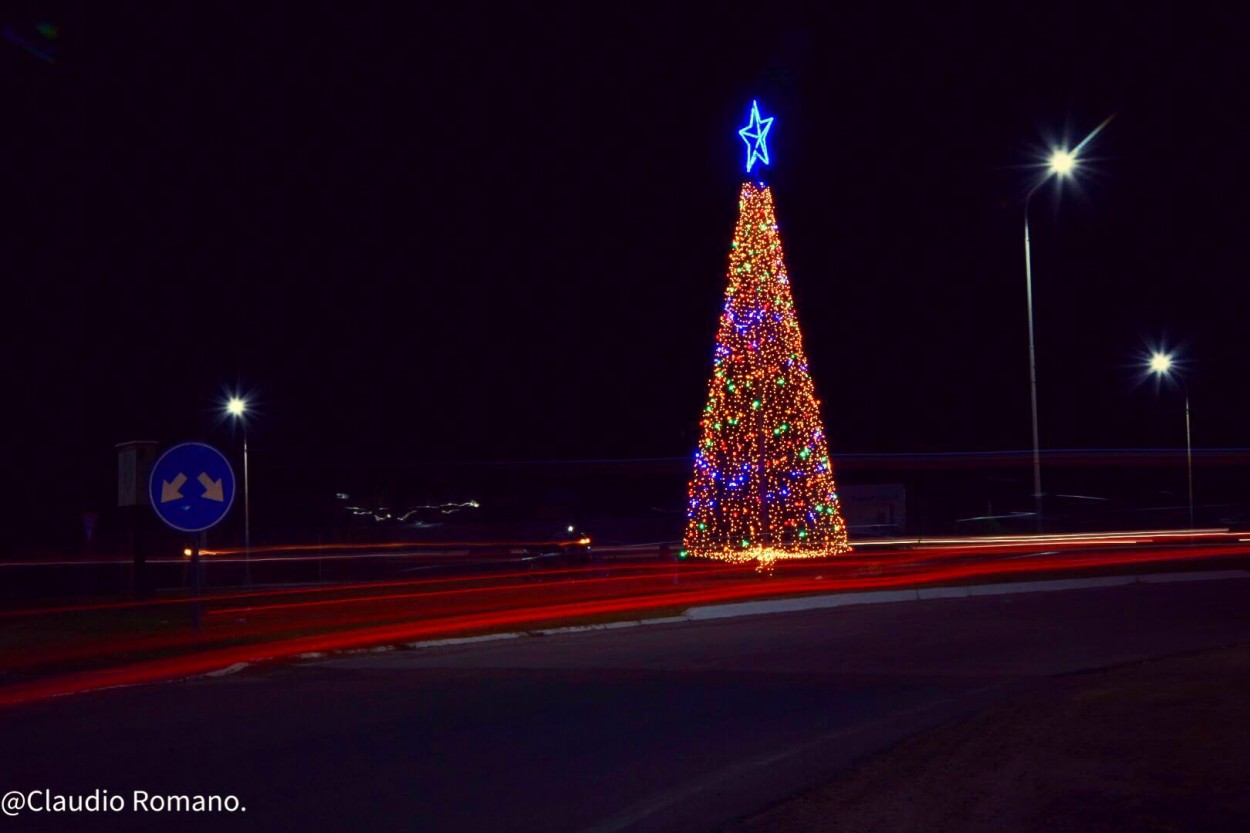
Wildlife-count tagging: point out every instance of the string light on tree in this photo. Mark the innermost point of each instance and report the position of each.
(762, 488)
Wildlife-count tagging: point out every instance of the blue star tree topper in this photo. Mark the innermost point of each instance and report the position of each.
(755, 134)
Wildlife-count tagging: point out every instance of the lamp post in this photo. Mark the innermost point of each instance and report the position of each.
(237, 408)
(1061, 164)
(1161, 365)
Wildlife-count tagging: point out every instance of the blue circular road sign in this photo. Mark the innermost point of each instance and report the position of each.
(191, 487)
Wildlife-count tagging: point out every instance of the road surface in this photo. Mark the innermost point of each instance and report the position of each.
(682, 726)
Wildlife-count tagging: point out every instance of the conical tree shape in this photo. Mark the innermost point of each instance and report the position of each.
(762, 486)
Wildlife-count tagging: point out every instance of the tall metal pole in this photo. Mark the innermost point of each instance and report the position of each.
(1060, 165)
(1189, 462)
(1028, 285)
(247, 519)
(197, 579)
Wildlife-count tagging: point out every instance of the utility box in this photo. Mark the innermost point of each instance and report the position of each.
(134, 464)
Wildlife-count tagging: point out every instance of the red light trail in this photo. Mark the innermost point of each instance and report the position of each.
(246, 627)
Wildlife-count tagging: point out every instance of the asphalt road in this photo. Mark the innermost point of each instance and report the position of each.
(662, 727)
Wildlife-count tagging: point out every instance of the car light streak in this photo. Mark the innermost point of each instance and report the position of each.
(289, 606)
(277, 623)
(326, 588)
(400, 545)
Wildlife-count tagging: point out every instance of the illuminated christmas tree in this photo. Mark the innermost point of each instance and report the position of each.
(762, 487)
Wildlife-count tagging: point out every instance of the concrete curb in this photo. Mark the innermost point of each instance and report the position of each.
(735, 609)
(495, 637)
(761, 608)
(462, 640)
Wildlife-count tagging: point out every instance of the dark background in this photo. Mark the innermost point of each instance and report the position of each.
(425, 236)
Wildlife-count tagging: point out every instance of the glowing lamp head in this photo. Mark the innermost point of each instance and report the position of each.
(1062, 162)
(236, 406)
(1160, 363)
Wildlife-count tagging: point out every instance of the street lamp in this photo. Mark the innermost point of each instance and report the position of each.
(237, 408)
(1062, 163)
(1161, 364)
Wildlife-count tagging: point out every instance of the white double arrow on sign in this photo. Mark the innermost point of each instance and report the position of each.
(173, 491)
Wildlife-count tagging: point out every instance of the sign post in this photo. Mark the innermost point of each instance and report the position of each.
(191, 489)
(134, 466)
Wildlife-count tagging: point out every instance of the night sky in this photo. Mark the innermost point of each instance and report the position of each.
(503, 236)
